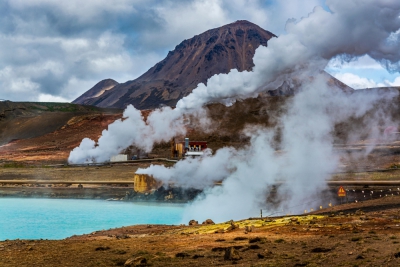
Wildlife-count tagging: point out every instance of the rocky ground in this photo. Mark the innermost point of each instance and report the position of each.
(357, 234)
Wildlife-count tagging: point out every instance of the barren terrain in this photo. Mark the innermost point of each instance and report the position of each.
(357, 234)
(362, 233)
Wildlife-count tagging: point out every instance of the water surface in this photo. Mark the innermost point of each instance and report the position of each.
(30, 218)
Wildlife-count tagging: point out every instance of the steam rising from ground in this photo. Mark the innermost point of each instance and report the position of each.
(305, 161)
(352, 29)
(131, 129)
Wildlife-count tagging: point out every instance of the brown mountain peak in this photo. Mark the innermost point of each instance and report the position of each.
(193, 61)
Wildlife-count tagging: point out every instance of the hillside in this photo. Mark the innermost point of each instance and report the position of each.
(50, 136)
(48, 131)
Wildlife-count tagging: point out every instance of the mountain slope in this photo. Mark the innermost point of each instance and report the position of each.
(191, 62)
(28, 120)
(96, 91)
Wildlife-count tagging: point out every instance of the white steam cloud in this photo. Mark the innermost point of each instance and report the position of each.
(351, 29)
(131, 129)
(305, 161)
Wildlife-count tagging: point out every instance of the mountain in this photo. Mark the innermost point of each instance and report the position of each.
(193, 61)
(96, 91)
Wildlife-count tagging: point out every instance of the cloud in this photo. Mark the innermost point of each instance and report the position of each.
(363, 62)
(50, 98)
(62, 48)
(358, 82)
(362, 72)
(48, 46)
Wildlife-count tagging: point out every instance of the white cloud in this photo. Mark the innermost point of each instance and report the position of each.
(363, 62)
(49, 45)
(187, 19)
(357, 82)
(51, 98)
(82, 10)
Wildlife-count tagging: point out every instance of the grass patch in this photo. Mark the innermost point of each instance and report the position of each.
(13, 165)
(52, 107)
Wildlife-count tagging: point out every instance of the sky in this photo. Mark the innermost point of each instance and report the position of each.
(54, 51)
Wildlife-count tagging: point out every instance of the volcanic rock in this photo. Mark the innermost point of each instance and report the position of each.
(208, 221)
(231, 254)
(138, 261)
(193, 222)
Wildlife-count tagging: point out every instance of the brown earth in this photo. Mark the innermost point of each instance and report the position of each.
(357, 234)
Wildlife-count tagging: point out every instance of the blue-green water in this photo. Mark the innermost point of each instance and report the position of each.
(27, 218)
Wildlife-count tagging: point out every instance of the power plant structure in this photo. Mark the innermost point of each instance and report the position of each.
(179, 150)
(187, 148)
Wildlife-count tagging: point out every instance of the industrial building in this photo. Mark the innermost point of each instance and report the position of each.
(181, 149)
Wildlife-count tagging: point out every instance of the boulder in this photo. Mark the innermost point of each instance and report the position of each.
(193, 222)
(208, 221)
(231, 254)
(138, 261)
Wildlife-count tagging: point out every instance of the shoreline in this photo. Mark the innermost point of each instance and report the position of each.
(112, 193)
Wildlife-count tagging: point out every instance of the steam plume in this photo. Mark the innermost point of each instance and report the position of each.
(305, 162)
(130, 130)
(349, 30)
(369, 28)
